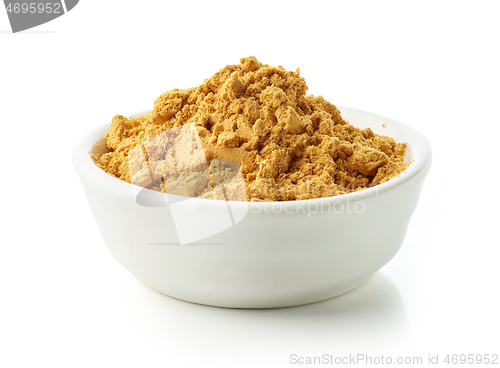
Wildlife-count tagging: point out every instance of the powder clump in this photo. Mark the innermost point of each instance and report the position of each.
(287, 145)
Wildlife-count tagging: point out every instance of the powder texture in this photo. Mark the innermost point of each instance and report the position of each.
(287, 145)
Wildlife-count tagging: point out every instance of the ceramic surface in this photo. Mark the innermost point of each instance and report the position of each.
(256, 254)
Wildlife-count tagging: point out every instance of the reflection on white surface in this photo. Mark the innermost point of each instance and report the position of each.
(370, 317)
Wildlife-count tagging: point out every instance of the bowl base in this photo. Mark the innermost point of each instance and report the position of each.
(266, 302)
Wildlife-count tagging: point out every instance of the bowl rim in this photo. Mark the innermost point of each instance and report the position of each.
(81, 150)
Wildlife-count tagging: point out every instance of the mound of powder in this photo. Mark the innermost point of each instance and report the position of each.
(288, 145)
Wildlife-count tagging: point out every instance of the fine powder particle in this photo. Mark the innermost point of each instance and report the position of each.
(251, 127)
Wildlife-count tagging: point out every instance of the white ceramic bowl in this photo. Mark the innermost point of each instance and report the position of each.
(256, 254)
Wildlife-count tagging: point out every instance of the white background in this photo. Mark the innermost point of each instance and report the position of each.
(65, 302)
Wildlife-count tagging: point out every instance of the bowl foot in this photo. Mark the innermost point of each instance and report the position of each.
(264, 301)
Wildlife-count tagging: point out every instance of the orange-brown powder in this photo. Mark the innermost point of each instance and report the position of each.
(289, 146)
